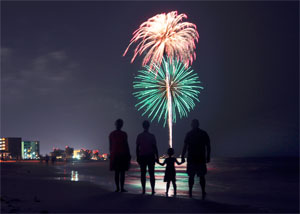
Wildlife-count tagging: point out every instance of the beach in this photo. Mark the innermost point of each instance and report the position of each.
(234, 185)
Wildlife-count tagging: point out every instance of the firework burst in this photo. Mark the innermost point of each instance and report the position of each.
(165, 34)
(167, 91)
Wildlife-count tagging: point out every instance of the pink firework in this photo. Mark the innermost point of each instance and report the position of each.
(165, 34)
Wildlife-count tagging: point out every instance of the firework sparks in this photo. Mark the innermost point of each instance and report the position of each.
(165, 34)
(167, 91)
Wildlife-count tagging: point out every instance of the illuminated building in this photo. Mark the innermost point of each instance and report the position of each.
(77, 154)
(69, 152)
(105, 156)
(10, 147)
(30, 149)
(58, 153)
(85, 154)
(95, 155)
(4, 148)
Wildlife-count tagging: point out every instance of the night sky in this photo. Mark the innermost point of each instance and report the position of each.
(64, 80)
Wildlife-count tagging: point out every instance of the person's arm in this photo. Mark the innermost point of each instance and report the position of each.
(162, 164)
(137, 149)
(184, 149)
(155, 149)
(208, 149)
(127, 145)
(178, 163)
(110, 146)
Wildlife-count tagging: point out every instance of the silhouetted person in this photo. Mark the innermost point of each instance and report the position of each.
(170, 172)
(47, 158)
(53, 159)
(197, 144)
(119, 155)
(147, 154)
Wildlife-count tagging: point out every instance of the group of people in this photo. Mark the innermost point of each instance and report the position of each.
(196, 145)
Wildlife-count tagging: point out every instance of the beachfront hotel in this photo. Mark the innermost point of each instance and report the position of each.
(30, 149)
(10, 147)
(15, 148)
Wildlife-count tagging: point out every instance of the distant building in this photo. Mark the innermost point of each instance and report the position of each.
(58, 153)
(69, 152)
(4, 148)
(86, 154)
(105, 156)
(30, 149)
(95, 155)
(83, 154)
(77, 154)
(10, 147)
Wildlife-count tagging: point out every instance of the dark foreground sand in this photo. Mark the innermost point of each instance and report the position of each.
(35, 187)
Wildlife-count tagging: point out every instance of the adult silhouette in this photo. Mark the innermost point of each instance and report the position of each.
(197, 144)
(147, 154)
(47, 158)
(119, 155)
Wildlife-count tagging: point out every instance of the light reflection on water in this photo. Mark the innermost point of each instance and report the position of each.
(132, 181)
(74, 175)
(229, 180)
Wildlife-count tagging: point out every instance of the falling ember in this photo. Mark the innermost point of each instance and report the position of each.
(165, 34)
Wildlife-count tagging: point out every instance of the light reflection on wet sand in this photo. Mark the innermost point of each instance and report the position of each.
(252, 181)
(74, 175)
(132, 181)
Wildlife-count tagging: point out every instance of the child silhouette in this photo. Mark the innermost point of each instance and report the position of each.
(170, 173)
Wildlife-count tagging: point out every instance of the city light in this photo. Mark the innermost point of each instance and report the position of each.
(30, 149)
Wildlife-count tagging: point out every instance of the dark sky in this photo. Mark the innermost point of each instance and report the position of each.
(64, 80)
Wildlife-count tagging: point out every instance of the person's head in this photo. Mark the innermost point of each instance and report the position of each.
(146, 125)
(170, 152)
(119, 124)
(195, 124)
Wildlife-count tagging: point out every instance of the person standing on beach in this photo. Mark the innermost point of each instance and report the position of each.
(197, 144)
(170, 172)
(146, 154)
(119, 155)
(47, 158)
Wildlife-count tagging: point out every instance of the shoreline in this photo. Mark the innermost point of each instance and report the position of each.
(32, 187)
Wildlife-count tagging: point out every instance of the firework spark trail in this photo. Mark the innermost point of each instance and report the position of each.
(165, 34)
(169, 104)
(167, 93)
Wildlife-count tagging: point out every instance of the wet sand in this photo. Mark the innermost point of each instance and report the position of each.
(88, 187)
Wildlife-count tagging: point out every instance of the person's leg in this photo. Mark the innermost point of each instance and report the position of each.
(202, 184)
(191, 183)
(174, 187)
(117, 178)
(152, 176)
(143, 176)
(168, 186)
(122, 180)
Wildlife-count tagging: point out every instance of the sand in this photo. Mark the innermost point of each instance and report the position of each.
(35, 187)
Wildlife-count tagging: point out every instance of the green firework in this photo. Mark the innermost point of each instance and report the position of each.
(151, 89)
